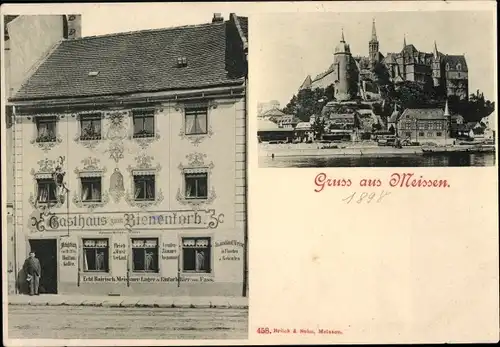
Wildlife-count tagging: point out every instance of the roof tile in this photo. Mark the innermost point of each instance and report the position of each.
(141, 61)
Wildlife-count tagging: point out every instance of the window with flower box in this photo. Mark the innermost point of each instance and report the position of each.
(90, 127)
(46, 129)
(144, 124)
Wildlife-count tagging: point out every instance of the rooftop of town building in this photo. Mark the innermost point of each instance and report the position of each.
(178, 58)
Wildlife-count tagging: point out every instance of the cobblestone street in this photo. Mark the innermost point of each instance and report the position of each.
(64, 322)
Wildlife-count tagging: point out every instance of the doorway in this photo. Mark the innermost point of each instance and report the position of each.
(46, 251)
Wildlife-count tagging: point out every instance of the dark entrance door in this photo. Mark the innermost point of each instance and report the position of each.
(46, 252)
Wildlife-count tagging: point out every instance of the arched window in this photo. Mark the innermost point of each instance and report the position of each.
(447, 66)
(459, 66)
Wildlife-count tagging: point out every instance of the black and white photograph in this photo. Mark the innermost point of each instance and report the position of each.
(380, 89)
(125, 151)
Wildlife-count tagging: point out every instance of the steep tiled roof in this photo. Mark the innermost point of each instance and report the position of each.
(323, 74)
(141, 61)
(274, 112)
(306, 84)
(454, 60)
(424, 113)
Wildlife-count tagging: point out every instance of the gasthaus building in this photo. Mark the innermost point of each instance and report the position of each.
(130, 162)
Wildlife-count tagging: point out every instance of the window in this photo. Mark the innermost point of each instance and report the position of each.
(46, 190)
(144, 187)
(408, 134)
(46, 129)
(196, 254)
(91, 189)
(447, 66)
(420, 134)
(429, 134)
(196, 120)
(90, 127)
(459, 67)
(145, 255)
(144, 125)
(95, 255)
(439, 133)
(196, 185)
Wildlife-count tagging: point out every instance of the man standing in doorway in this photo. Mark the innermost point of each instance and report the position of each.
(33, 271)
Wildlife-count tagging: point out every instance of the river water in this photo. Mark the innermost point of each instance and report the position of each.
(408, 160)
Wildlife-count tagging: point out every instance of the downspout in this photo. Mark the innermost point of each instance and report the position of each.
(245, 226)
(14, 202)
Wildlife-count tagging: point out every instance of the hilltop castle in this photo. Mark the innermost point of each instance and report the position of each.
(353, 77)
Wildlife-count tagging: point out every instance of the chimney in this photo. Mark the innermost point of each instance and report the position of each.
(73, 26)
(217, 18)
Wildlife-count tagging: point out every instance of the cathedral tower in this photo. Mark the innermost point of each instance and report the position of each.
(436, 67)
(346, 74)
(373, 46)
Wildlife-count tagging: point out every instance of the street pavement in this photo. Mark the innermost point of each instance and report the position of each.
(86, 322)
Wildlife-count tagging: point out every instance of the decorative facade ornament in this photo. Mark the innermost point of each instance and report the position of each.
(117, 127)
(91, 168)
(46, 138)
(196, 164)
(88, 141)
(116, 186)
(196, 139)
(144, 166)
(144, 141)
(51, 170)
(115, 150)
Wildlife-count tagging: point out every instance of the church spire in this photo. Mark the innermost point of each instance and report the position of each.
(404, 40)
(342, 37)
(436, 53)
(374, 31)
(446, 111)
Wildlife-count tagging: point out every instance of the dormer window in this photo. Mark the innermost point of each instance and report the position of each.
(93, 73)
(181, 62)
(447, 66)
(459, 67)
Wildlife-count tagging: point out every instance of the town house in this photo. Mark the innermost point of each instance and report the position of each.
(130, 162)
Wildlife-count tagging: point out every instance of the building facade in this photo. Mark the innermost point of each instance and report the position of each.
(27, 39)
(421, 125)
(130, 163)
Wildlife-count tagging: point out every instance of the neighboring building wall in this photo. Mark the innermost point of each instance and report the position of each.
(31, 38)
(28, 40)
(224, 147)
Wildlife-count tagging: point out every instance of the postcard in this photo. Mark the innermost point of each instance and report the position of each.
(249, 173)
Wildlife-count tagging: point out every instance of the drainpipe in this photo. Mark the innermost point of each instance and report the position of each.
(245, 228)
(14, 212)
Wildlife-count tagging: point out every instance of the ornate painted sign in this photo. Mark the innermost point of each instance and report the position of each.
(126, 221)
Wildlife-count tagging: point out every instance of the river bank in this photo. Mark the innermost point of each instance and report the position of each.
(312, 150)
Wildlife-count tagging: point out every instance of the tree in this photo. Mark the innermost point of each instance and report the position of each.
(318, 127)
(309, 102)
(382, 76)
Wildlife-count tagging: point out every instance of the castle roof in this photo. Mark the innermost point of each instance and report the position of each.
(342, 47)
(323, 74)
(454, 60)
(143, 61)
(307, 83)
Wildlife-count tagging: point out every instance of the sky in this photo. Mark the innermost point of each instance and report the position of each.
(123, 20)
(289, 46)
